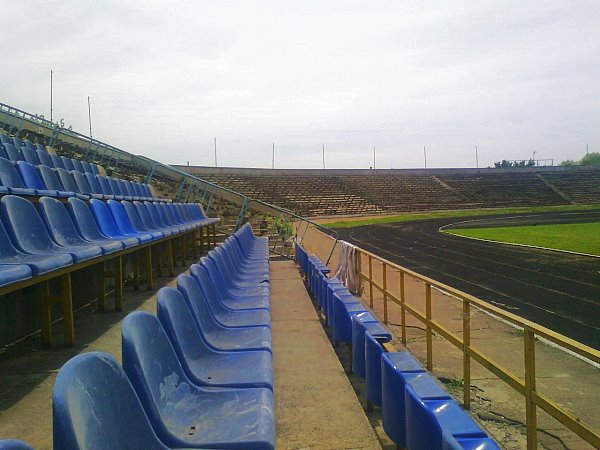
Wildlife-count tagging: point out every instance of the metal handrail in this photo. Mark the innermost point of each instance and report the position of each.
(525, 386)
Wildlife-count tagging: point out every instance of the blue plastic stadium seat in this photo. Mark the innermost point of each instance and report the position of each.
(44, 158)
(57, 162)
(373, 352)
(108, 226)
(9, 273)
(218, 336)
(361, 324)
(123, 223)
(202, 277)
(427, 420)
(69, 184)
(182, 413)
(29, 235)
(148, 222)
(17, 142)
(32, 180)
(77, 165)
(449, 442)
(129, 187)
(14, 153)
(222, 283)
(63, 231)
(116, 189)
(83, 186)
(343, 310)
(88, 228)
(95, 406)
(204, 365)
(41, 147)
(30, 156)
(95, 186)
(106, 189)
(87, 168)
(136, 221)
(95, 170)
(5, 139)
(38, 264)
(228, 317)
(157, 216)
(27, 143)
(14, 444)
(171, 217)
(237, 276)
(53, 183)
(3, 153)
(138, 191)
(10, 178)
(67, 163)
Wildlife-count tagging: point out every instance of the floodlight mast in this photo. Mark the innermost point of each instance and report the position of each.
(51, 109)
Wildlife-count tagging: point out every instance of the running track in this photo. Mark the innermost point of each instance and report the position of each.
(557, 290)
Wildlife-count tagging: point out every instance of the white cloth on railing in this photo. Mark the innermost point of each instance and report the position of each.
(347, 270)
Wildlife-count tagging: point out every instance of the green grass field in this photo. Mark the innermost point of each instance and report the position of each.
(409, 217)
(577, 237)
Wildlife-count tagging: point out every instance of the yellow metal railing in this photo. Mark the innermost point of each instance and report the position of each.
(525, 386)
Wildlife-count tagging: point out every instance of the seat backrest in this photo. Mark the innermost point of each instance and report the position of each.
(129, 188)
(30, 176)
(41, 147)
(9, 175)
(17, 142)
(123, 187)
(146, 189)
(168, 213)
(30, 156)
(27, 143)
(59, 222)
(44, 158)
(84, 219)
(51, 179)
(105, 187)
(121, 218)
(93, 182)
(94, 168)
(57, 162)
(25, 226)
(114, 186)
(14, 154)
(145, 216)
(82, 182)
(137, 189)
(134, 217)
(104, 218)
(86, 167)
(3, 152)
(14, 444)
(95, 406)
(7, 249)
(4, 138)
(178, 322)
(154, 370)
(77, 165)
(67, 163)
(67, 180)
(191, 293)
(154, 213)
(205, 282)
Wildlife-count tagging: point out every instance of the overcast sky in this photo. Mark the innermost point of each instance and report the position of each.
(165, 78)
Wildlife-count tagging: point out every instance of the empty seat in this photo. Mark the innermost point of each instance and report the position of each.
(94, 405)
(77, 165)
(10, 178)
(136, 221)
(450, 442)
(88, 228)
(5, 139)
(41, 147)
(148, 222)
(95, 169)
(68, 182)
(182, 413)
(86, 167)
(52, 182)
(30, 156)
(67, 163)
(129, 188)
(28, 232)
(108, 226)
(10, 273)
(28, 144)
(114, 186)
(17, 142)
(44, 158)
(57, 162)
(373, 351)
(204, 365)
(14, 154)
(123, 223)
(95, 186)
(361, 324)
(38, 264)
(218, 336)
(230, 291)
(32, 180)
(64, 233)
(106, 189)
(14, 444)
(83, 186)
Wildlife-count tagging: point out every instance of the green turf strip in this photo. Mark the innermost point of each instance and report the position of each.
(409, 217)
(575, 237)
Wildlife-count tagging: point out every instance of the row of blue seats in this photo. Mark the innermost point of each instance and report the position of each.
(18, 142)
(37, 157)
(23, 178)
(417, 412)
(35, 241)
(198, 374)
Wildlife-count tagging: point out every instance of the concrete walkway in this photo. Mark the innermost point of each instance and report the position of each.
(315, 404)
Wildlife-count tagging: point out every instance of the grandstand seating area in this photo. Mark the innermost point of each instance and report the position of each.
(323, 193)
(418, 413)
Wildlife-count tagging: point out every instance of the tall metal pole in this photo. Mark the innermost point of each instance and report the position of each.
(51, 109)
(90, 116)
(273, 159)
(476, 157)
(587, 149)
(425, 156)
(323, 156)
(215, 152)
(373, 157)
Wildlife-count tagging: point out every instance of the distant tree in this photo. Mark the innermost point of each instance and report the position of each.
(591, 159)
(504, 164)
(569, 162)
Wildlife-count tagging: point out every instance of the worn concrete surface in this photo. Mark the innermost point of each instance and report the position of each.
(316, 406)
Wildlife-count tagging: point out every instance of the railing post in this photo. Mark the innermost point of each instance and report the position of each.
(466, 356)
(402, 310)
(428, 327)
(385, 294)
(359, 270)
(530, 410)
(370, 281)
